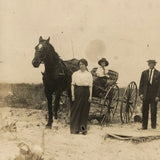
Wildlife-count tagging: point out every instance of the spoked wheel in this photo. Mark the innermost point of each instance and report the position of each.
(110, 104)
(128, 102)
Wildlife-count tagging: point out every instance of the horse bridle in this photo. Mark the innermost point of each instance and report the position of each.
(44, 55)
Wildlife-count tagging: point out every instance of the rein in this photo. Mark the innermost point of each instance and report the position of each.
(54, 65)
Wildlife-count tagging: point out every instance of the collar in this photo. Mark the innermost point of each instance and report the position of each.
(82, 72)
(152, 70)
(102, 67)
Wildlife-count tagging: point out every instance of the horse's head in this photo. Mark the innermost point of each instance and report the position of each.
(40, 52)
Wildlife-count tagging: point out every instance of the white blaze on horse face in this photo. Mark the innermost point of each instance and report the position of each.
(40, 46)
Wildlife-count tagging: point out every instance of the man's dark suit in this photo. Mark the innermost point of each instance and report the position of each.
(149, 92)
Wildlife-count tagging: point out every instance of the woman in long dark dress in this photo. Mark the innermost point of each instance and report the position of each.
(81, 97)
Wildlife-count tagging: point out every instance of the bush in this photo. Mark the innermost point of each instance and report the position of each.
(26, 95)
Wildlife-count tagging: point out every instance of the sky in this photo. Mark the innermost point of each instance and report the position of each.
(125, 32)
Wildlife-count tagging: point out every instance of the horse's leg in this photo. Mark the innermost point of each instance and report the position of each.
(56, 103)
(50, 119)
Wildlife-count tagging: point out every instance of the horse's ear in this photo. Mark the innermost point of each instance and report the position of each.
(48, 39)
(40, 38)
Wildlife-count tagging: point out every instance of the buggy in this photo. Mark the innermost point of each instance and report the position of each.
(108, 99)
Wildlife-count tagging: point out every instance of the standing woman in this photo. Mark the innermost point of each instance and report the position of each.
(81, 88)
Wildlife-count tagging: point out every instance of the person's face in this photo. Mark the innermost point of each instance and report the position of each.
(151, 65)
(82, 66)
(103, 64)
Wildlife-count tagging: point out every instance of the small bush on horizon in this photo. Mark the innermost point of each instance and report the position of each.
(26, 95)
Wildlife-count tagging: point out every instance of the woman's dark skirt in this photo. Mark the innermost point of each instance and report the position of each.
(99, 86)
(79, 109)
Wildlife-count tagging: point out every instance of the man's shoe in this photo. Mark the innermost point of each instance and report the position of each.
(74, 132)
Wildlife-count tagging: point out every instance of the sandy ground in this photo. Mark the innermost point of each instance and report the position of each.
(59, 144)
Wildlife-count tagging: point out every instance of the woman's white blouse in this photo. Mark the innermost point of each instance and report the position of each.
(102, 72)
(80, 78)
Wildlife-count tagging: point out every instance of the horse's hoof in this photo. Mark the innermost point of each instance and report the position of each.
(48, 126)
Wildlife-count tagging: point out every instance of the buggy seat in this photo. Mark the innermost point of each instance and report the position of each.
(113, 77)
(98, 90)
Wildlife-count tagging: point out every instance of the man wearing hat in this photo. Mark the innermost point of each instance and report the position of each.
(102, 71)
(149, 91)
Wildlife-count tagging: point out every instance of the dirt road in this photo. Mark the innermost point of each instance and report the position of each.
(59, 144)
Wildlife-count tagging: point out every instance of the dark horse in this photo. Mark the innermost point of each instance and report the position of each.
(57, 74)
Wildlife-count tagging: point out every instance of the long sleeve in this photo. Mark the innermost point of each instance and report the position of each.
(158, 90)
(72, 90)
(91, 80)
(141, 85)
(73, 79)
(99, 72)
(102, 72)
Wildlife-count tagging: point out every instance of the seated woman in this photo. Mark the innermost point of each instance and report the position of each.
(102, 73)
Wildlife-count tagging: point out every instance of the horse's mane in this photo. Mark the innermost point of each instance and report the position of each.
(52, 50)
(68, 66)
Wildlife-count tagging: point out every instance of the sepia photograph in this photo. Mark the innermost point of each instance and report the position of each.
(79, 79)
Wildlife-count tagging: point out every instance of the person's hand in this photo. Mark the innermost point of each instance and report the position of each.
(73, 98)
(141, 97)
(107, 75)
(90, 100)
(157, 99)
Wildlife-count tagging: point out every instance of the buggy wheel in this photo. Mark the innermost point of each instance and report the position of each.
(110, 104)
(128, 102)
